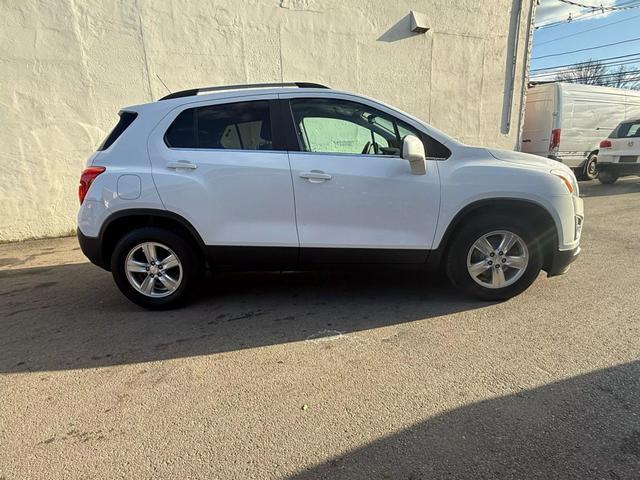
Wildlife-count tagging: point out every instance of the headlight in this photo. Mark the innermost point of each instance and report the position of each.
(569, 180)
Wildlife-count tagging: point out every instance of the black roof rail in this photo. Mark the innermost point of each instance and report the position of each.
(196, 91)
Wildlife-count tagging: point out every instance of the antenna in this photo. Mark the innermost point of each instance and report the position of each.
(165, 85)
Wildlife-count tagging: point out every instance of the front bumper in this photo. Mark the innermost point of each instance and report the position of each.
(91, 247)
(562, 260)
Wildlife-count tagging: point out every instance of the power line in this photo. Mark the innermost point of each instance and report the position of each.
(624, 81)
(599, 63)
(552, 76)
(588, 30)
(601, 8)
(607, 68)
(581, 63)
(563, 72)
(586, 49)
(571, 19)
(605, 76)
(584, 16)
(601, 80)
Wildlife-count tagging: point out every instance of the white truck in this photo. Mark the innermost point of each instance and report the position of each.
(567, 121)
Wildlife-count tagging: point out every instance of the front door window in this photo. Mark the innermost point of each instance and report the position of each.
(341, 126)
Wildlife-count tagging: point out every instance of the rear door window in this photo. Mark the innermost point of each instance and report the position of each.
(235, 126)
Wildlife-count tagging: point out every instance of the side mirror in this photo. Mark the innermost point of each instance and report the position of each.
(413, 152)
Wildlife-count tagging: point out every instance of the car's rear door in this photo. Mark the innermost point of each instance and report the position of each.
(356, 199)
(221, 165)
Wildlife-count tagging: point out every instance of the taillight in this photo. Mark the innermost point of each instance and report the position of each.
(605, 144)
(555, 139)
(86, 179)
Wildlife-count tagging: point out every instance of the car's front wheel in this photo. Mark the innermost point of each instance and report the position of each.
(155, 268)
(494, 258)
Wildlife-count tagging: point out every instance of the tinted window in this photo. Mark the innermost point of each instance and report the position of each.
(126, 119)
(624, 130)
(240, 126)
(341, 126)
(182, 132)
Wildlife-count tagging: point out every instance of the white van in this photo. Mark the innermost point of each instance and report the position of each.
(567, 121)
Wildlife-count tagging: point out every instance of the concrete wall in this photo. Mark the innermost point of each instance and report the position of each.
(67, 66)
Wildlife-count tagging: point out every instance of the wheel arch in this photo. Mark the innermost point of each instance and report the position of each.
(121, 222)
(587, 156)
(540, 216)
(581, 170)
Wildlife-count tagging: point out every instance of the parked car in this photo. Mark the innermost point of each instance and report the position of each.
(566, 121)
(620, 152)
(299, 175)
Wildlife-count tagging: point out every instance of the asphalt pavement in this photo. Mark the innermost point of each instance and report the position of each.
(383, 374)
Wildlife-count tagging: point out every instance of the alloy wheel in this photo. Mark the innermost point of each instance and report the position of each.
(153, 269)
(497, 259)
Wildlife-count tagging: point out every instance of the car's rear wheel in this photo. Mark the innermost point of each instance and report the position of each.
(155, 268)
(607, 178)
(590, 168)
(494, 258)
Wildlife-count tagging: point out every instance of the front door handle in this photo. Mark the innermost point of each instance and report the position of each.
(182, 164)
(315, 176)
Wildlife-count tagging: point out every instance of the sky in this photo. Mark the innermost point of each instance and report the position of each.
(586, 30)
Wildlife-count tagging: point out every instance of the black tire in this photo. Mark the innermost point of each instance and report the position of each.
(607, 178)
(588, 169)
(474, 229)
(191, 264)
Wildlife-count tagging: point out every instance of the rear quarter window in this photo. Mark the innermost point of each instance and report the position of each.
(126, 119)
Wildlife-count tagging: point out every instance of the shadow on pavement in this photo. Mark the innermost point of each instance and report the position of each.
(73, 316)
(586, 427)
(621, 187)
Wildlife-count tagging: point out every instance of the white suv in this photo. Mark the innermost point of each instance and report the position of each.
(291, 176)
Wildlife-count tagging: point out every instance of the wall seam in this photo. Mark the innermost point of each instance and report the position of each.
(482, 96)
(144, 51)
(433, 41)
(83, 55)
(280, 50)
(244, 51)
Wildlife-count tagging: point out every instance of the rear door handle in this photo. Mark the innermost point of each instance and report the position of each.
(182, 164)
(315, 176)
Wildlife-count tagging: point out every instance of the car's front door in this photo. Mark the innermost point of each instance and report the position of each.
(219, 166)
(356, 199)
